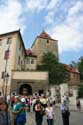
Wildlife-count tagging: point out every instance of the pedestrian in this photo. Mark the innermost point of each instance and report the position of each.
(38, 113)
(67, 101)
(12, 100)
(65, 113)
(13, 109)
(4, 114)
(78, 104)
(20, 111)
(50, 114)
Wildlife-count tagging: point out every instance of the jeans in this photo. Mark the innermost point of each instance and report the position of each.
(50, 121)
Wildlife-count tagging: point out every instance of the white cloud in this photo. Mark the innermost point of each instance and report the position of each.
(75, 9)
(52, 4)
(49, 19)
(10, 13)
(36, 6)
(69, 38)
(51, 8)
(70, 32)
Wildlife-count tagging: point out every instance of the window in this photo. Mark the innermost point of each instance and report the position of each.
(3, 74)
(28, 69)
(19, 60)
(28, 60)
(9, 40)
(32, 61)
(0, 42)
(47, 41)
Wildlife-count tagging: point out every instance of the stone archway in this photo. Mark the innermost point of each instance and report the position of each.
(25, 89)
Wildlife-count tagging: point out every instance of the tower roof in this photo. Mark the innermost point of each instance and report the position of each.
(44, 35)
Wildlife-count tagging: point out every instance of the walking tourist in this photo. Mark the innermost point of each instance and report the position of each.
(4, 114)
(78, 104)
(50, 114)
(20, 111)
(38, 113)
(65, 113)
(13, 109)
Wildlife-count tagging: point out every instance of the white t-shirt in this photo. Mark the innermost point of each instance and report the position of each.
(50, 113)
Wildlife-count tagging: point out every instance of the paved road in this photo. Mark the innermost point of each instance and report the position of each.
(76, 118)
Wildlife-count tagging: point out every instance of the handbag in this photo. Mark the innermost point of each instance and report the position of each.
(42, 112)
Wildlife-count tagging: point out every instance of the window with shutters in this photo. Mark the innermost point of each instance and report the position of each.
(9, 40)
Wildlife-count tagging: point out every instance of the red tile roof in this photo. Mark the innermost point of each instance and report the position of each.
(70, 69)
(29, 53)
(44, 35)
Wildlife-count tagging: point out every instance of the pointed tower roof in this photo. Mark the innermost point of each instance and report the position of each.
(44, 35)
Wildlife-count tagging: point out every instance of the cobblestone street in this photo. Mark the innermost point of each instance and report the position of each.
(76, 118)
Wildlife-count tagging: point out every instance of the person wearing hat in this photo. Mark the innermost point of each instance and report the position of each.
(20, 111)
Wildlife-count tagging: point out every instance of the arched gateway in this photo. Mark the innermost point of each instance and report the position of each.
(25, 89)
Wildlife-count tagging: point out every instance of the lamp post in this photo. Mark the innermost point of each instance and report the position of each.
(6, 82)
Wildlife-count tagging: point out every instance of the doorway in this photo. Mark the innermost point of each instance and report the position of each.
(25, 89)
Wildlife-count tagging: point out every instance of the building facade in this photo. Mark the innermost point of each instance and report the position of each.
(19, 63)
(74, 76)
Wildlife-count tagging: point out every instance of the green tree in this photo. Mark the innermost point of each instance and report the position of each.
(74, 65)
(80, 67)
(80, 91)
(57, 72)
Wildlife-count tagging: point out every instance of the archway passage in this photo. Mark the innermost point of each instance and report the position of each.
(25, 89)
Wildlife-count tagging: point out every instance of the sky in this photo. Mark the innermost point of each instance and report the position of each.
(61, 19)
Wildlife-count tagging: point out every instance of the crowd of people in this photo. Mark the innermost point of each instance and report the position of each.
(41, 105)
(14, 112)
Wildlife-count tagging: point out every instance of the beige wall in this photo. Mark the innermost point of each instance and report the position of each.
(41, 46)
(15, 52)
(24, 75)
(19, 53)
(74, 79)
(11, 60)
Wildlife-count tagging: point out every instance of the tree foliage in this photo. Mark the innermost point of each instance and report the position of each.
(80, 67)
(74, 65)
(57, 72)
(80, 91)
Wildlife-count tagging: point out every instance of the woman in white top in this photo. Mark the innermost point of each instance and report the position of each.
(50, 114)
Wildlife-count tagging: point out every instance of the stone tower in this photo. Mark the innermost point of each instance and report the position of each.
(44, 44)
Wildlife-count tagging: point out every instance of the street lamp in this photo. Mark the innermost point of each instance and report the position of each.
(6, 82)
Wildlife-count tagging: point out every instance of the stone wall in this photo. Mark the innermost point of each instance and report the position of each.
(41, 46)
